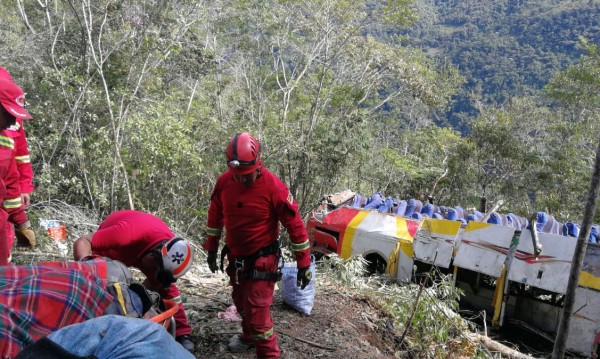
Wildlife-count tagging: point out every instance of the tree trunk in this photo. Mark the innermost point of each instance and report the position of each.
(588, 217)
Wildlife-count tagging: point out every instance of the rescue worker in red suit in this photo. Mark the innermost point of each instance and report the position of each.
(249, 202)
(144, 241)
(12, 100)
(21, 154)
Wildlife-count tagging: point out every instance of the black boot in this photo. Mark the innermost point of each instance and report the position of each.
(186, 342)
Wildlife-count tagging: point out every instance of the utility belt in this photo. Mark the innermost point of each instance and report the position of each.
(244, 265)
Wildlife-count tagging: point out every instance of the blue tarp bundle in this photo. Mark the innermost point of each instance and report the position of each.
(542, 220)
(594, 234)
(410, 207)
(357, 201)
(375, 201)
(514, 221)
(401, 208)
(451, 214)
(427, 210)
(387, 205)
(495, 218)
(570, 229)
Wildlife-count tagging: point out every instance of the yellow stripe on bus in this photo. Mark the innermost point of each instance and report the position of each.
(589, 280)
(438, 226)
(349, 234)
(473, 226)
(404, 237)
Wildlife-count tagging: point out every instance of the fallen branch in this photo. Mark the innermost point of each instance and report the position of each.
(332, 349)
(409, 321)
(22, 253)
(499, 347)
(205, 296)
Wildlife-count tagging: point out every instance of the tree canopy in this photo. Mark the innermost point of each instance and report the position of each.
(134, 103)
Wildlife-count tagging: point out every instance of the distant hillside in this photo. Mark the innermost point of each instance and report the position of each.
(504, 48)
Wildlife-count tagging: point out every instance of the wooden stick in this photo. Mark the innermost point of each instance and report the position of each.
(499, 347)
(287, 335)
(307, 341)
(415, 305)
(205, 296)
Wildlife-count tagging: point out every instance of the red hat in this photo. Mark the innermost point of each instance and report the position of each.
(5, 74)
(12, 99)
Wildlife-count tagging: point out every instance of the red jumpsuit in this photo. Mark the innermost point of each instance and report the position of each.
(21, 152)
(12, 209)
(251, 217)
(25, 171)
(127, 236)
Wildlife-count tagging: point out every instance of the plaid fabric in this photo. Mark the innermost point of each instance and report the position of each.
(38, 299)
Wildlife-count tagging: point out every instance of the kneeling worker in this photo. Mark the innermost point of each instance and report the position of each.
(144, 241)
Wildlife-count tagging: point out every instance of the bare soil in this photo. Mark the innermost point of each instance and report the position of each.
(340, 326)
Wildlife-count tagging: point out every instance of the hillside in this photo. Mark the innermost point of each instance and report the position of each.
(348, 320)
(504, 48)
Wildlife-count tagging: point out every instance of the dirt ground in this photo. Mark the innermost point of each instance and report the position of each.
(339, 326)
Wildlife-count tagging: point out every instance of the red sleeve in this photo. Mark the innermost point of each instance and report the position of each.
(12, 203)
(287, 211)
(214, 225)
(23, 161)
(116, 235)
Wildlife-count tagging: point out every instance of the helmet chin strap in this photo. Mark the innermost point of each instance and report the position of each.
(162, 275)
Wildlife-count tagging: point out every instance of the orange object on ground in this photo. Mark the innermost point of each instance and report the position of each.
(166, 318)
(58, 233)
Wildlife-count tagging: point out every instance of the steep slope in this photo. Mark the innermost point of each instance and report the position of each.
(504, 48)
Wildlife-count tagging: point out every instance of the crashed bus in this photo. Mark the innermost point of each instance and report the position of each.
(516, 274)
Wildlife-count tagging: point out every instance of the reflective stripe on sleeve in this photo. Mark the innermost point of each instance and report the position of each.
(177, 299)
(7, 142)
(22, 159)
(298, 247)
(12, 202)
(215, 232)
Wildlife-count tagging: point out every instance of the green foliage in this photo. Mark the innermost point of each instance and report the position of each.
(430, 311)
(578, 85)
(504, 48)
(576, 89)
(506, 153)
(134, 105)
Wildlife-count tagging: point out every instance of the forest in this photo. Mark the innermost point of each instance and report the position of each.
(135, 101)
(505, 49)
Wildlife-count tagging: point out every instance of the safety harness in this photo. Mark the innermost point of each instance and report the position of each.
(244, 265)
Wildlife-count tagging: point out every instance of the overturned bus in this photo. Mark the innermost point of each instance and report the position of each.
(516, 274)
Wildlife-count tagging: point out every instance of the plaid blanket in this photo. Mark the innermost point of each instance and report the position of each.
(38, 299)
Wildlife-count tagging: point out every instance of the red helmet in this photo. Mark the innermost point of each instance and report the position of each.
(5, 74)
(243, 154)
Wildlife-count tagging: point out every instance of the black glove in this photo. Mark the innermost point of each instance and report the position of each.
(212, 261)
(303, 278)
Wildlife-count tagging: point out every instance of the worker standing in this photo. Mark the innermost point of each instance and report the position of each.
(144, 241)
(249, 202)
(21, 154)
(12, 100)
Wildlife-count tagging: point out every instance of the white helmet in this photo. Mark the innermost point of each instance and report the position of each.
(177, 256)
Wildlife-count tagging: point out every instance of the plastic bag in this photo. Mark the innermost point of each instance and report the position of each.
(302, 300)
(229, 315)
